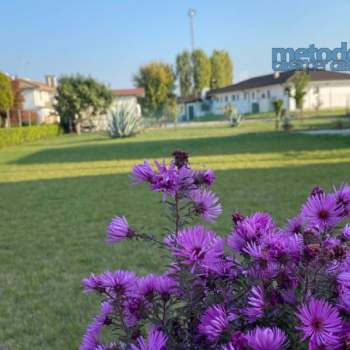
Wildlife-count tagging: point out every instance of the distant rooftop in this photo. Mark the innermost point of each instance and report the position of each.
(32, 84)
(139, 92)
(278, 78)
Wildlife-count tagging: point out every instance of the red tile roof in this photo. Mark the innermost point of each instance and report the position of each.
(129, 92)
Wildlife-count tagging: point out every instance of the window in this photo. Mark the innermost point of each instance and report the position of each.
(226, 98)
(245, 95)
(316, 89)
(262, 95)
(237, 96)
(268, 94)
(253, 95)
(233, 97)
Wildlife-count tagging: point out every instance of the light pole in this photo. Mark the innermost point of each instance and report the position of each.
(191, 13)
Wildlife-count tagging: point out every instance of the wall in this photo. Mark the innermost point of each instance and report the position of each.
(243, 100)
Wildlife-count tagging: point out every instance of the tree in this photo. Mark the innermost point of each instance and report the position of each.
(299, 80)
(80, 98)
(278, 106)
(201, 70)
(184, 73)
(6, 98)
(221, 69)
(18, 100)
(158, 80)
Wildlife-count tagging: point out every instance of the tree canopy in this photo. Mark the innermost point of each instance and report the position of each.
(201, 70)
(6, 95)
(221, 69)
(184, 73)
(158, 80)
(80, 98)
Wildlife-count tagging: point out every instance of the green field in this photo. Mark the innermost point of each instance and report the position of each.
(57, 197)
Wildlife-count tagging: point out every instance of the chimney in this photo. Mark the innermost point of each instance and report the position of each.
(276, 75)
(51, 80)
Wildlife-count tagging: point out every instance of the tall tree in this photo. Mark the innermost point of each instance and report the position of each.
(158, 80)
(6, 98)
(221, 69)
(300, 79)
(80, 98)
(201, 70)
(184, 73)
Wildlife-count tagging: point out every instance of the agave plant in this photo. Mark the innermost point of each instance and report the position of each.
(233, 116)
(125, 121)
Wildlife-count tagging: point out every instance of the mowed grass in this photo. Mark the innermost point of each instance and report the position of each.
(57, 197)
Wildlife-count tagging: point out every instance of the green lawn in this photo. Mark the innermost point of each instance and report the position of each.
(57, 196)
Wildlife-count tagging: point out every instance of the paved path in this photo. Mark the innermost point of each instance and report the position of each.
(341, 132)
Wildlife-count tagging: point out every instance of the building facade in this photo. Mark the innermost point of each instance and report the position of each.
(325, 90)
(38, 99)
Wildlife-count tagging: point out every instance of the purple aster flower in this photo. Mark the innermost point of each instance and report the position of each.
(346, 231)
(197, 245)
(147, 286)
(251, 229)
(343, 199)
(321, 211)
(344, 278)
(142, 173)
(238, 342)
(122, 283)
(256, 304)
(165, 286)
(344, 297)
(264, 338)
(204, 177)
(93, 284)
(214, 322)
(118, 230)
(206, 204)
(317, 191)
(156, 340)
(295, 225)
(320, 322)
(91, 338)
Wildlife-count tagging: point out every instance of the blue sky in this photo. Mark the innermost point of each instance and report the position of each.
(110, 39)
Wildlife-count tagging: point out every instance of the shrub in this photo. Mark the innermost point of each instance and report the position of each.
(18, 135)
(262, 288)
(125, 121)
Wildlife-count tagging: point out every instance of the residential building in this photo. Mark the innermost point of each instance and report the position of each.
(38, 100)
(325, 90)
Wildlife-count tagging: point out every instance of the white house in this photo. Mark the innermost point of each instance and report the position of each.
(127, 98)
(38, 97)
(325, 90)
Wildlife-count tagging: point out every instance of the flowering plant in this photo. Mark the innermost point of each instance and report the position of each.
(262, 288)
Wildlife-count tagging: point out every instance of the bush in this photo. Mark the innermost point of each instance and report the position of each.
(125, 122)
(261, 288)
(18, 135)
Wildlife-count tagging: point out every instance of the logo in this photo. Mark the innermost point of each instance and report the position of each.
(311, 58)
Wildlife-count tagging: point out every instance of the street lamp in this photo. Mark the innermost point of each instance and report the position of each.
(191, 13)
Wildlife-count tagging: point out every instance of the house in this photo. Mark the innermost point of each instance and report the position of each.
(325, 90)
(38, 99)
(123, 98)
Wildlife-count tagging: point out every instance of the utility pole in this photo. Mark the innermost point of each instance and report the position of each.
(191, 13)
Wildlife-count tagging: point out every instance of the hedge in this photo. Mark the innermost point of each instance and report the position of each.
(18, 135)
